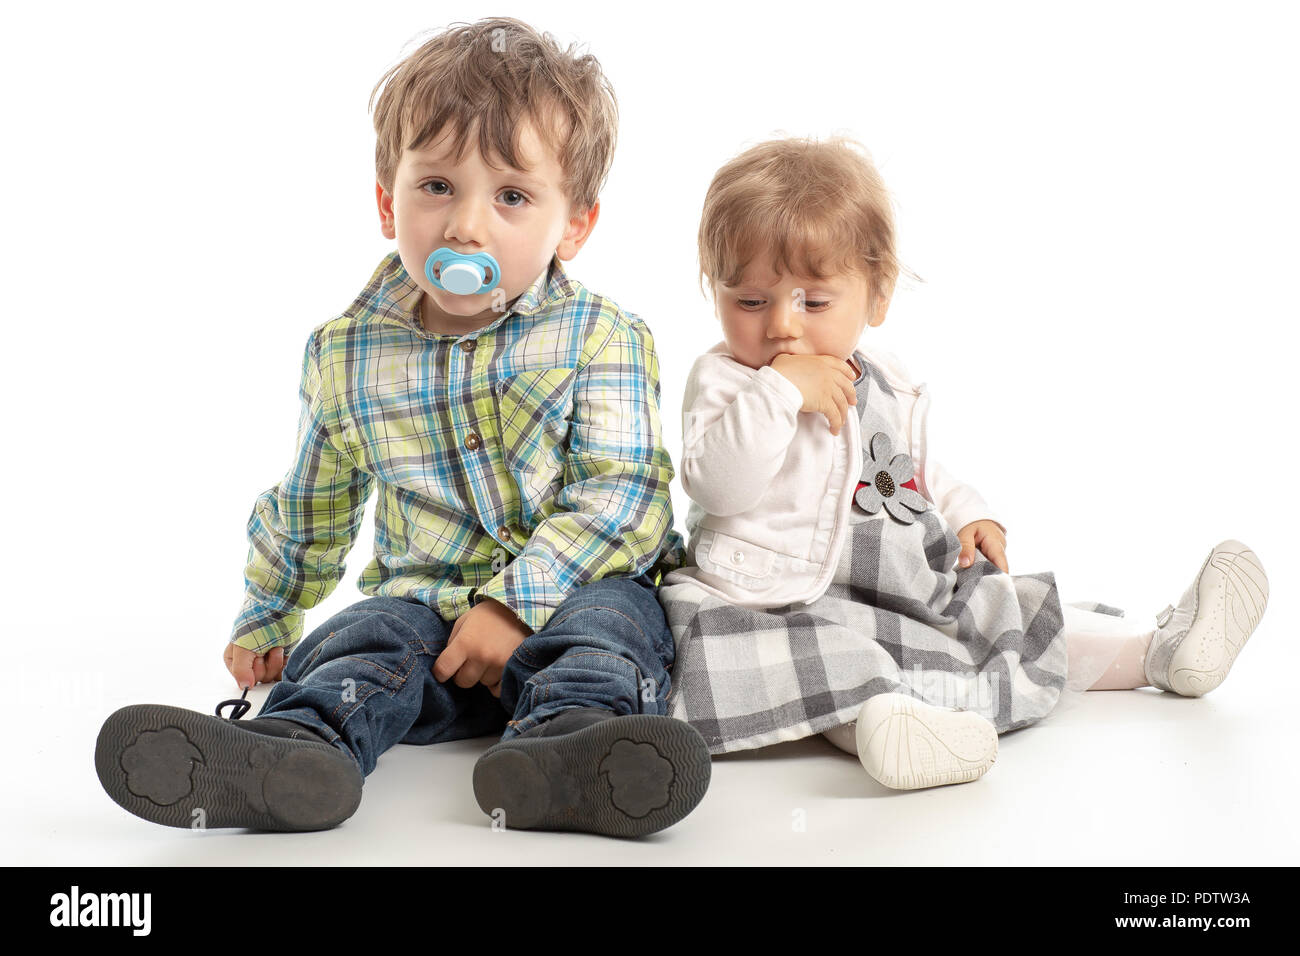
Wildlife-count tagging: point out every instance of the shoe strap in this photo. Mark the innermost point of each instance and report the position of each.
(240, 704)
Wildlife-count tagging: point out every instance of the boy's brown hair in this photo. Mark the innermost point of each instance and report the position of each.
(498, 72)
(814, 207)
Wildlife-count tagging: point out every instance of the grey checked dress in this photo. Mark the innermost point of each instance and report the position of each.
(897, 616)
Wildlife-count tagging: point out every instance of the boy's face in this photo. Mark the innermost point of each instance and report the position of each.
(769, 313)
(520, 218)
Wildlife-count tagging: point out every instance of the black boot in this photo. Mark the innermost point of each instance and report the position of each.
(182, 768)
(589, 770)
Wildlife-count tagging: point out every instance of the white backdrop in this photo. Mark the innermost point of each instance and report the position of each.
(1101, 199)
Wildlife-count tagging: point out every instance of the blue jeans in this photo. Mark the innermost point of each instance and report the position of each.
(364, 679)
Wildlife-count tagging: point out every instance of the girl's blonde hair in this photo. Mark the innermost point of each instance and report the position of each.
(813, 207)
(499, 71)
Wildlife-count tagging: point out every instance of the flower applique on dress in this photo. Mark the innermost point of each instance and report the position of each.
(882, 482)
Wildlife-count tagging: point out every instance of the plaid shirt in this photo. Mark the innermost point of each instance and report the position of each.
(516, 462)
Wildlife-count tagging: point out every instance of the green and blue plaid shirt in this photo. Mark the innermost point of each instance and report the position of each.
(516, 462)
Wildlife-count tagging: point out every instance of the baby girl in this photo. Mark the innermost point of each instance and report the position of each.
(839, 579)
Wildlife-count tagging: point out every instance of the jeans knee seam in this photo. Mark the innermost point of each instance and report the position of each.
(601, 607)
(596, 653)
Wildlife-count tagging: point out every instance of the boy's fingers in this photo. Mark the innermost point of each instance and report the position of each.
(448, 662)
(469, 674)
(274, 663)
(492, 676)
(239, 661)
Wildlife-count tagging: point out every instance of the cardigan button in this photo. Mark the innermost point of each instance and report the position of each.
(738, 557)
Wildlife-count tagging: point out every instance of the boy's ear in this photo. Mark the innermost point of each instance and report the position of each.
(576, 232)
(385, 212)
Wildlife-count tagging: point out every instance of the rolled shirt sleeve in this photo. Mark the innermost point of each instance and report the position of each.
(614, 512)
(302, 528)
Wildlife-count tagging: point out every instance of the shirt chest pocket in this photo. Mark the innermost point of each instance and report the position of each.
(734, 559)
(533, 409)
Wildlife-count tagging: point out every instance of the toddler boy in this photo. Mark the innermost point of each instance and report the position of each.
(523, 519)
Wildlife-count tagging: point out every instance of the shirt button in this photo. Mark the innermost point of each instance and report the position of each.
(738, 557)
(503, 532)
(468, 345)
(471, 441)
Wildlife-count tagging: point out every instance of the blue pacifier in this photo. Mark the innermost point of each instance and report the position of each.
(461, 274)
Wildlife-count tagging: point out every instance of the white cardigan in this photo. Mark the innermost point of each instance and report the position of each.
(771, 488)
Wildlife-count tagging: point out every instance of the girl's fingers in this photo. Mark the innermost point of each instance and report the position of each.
(967, 556)
(841, 403)
(995, 552)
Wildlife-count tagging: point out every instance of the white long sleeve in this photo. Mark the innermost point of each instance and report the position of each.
(736, 434)
(957, 502)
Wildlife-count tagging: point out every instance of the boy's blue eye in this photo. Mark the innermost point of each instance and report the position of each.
(514, 192)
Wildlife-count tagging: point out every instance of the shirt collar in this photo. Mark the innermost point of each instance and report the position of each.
(549, 286)
(400, 295)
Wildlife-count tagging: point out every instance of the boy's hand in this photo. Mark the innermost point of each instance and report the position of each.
(249, 668)
(988, 537)
(482, 641)
(825, 382)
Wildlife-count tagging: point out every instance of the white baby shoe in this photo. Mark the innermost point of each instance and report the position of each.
(907, 744)
(1196, 642)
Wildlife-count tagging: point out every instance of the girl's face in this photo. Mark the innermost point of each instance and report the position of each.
(769, 313)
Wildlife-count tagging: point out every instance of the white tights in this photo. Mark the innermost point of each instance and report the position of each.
(1104, 652)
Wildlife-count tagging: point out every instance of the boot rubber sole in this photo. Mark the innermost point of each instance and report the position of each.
(182, 768)
(623, 777)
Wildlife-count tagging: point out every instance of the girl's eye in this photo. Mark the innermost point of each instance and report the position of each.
(808, 303)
